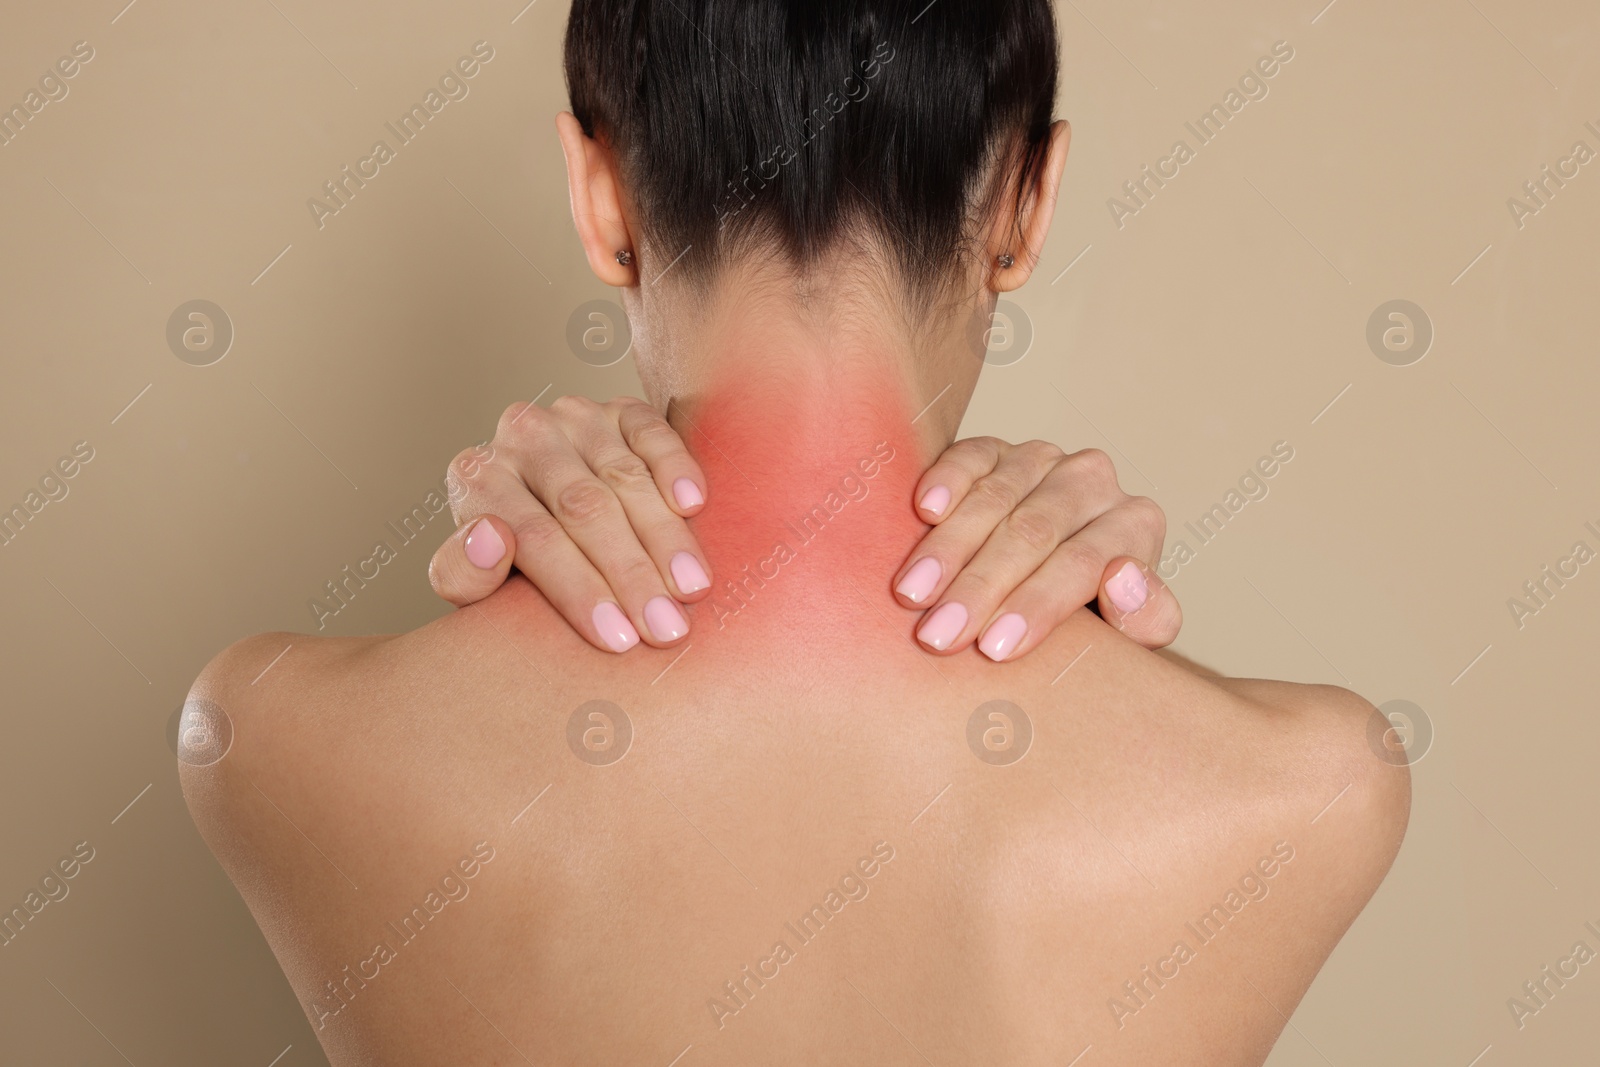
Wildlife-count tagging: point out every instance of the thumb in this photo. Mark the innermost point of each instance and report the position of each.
(1136, 601)
(473, 562)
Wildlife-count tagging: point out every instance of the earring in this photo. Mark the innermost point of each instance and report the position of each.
(1007, 261)
(625, 257)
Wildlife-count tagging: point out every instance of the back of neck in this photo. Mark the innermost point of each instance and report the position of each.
(811, 464)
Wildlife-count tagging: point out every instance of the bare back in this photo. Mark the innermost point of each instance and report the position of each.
(793, 842)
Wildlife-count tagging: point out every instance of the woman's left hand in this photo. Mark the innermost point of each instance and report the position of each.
(1025, 535)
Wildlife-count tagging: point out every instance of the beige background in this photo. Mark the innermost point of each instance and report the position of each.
(1225, 316)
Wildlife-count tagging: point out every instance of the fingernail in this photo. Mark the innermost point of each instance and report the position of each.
(943, 627)
(666, 622)
(615, 629)
(1004, 636)
(920, 580)
(935, 500)
(485, 549)
(1128, 589)
(687, 494)
(688, 574)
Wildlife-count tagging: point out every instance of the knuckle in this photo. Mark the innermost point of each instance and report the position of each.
(582, 502)
(1033, 529)
(992, 494)
(1080, 557)
(625, 403)
(456, 493)
(1043, 453)
(977, 587)
(574, 405)
(986, 449)
(624, 472)
(536, 534)
(649, 432)
(1093, 463)
(518, 418)
(1149, 513)
(466, 464)
(973, 452)
(637, 573)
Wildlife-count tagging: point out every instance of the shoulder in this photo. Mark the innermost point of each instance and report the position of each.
(244, 681)
(1335, 737)
(1343, 783)
(1304, 747)
(243, 717)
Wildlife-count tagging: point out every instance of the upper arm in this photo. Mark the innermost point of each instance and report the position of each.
(1351, 793)
(1337, 812)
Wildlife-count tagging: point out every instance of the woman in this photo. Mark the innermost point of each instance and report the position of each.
(794, 836)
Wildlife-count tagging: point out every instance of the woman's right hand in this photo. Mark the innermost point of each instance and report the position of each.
(589, 501)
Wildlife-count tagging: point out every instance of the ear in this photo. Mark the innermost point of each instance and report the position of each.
(1033, 224)
(596, 191)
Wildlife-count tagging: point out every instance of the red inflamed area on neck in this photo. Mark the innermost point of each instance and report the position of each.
(809, 512)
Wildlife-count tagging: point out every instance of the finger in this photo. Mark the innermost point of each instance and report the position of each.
(1009, 612)
(678, 477)
(1135, 600)
(1077, 573)
(664, 535)
(944, 485)
(461, 479)
(473, 562)
(556, 566)
(594, 520)
(548, 557)
(1002, 529)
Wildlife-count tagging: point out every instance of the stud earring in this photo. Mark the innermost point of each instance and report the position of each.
(1006, 261)
(625, 257)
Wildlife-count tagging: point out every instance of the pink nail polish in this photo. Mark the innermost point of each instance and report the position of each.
(920, 580)
(687, 494)
(614, 628)
(943, 627)
(1128, 589)
(1004, 636)
(688, 574)
(935, 500)
(666, 622)
(485, 548)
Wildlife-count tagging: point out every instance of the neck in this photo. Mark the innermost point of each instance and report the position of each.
(813, 428)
